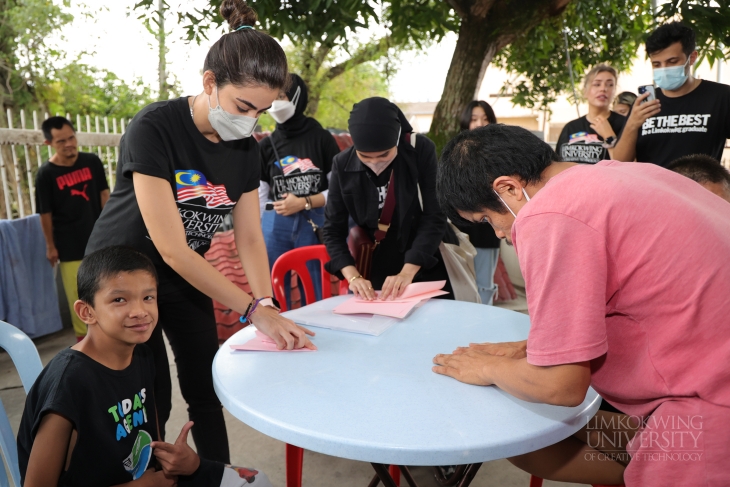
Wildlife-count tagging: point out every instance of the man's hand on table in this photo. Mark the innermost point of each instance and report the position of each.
(505, 349)
(470, 365)
(475, 364)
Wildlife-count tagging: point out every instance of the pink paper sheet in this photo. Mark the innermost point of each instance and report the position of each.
(262, 343)
(417, 291)
(397, 308)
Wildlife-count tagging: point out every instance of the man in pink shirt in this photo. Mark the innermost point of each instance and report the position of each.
(628, 287)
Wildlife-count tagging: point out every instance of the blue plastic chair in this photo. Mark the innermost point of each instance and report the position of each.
(26, 359)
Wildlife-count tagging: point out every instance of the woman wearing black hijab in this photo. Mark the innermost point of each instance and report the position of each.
(296, 160)
(384, 153)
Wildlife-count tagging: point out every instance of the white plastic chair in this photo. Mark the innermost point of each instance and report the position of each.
(26, 359)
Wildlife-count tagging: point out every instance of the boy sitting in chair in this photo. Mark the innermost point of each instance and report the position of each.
(90, 417)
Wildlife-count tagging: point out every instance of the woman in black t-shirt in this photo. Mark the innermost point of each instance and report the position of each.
(296, 160)
(184, 165)
(385, 151)
(592, 137)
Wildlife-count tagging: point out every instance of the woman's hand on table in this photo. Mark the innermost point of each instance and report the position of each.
(505, 349)
(471, 366)
(394, 286)
(363, 289)
(287, 334)
(290, 205)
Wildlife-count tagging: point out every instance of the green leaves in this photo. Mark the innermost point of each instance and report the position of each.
(603, 31)
(599, 31)
(710, 20)
(83, 89)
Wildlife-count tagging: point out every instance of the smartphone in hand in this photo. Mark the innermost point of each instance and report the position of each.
(647, 88)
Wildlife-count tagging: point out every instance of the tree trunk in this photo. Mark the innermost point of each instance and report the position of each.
(314, 57)
(474, 51)
(487, 26)
(162, 52)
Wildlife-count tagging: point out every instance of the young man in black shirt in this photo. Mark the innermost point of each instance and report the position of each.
(90, 419)
(71, 190)
(689, 116)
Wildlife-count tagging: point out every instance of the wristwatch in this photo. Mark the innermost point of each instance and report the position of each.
(308, 203)
(610, 142)
(271, 302)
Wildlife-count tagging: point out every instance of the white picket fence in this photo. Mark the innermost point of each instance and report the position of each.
(22, 152)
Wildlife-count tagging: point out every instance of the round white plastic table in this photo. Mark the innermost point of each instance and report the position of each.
(375, 399)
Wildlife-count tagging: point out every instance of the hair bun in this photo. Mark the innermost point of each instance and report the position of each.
(238, 13)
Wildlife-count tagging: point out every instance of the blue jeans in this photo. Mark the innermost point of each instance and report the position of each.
(485, 263)
(284, 233)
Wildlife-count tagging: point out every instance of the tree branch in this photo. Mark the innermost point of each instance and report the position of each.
(558, 7)
(369, 52)
(458, 8)
(481, 8)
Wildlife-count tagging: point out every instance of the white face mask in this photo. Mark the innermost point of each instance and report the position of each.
(380, 166)
(283, 110)
(505, 204)
(230, 126)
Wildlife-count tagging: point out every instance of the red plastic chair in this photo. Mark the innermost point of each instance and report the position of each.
(296, 260)
(537, 482)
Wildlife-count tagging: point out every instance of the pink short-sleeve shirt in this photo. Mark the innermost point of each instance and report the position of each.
(627, 266)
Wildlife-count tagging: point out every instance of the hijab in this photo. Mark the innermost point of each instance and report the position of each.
(376, 124)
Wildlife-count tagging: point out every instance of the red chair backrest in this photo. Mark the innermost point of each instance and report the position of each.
(296, 260)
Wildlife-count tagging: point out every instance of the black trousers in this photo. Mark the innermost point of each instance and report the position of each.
(189, 323)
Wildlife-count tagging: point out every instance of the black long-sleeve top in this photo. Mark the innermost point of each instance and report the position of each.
(353, 194)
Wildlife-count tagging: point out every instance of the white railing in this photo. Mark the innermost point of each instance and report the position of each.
(22, 153)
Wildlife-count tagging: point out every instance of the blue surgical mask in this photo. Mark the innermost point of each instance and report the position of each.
(505, 204)
(670, 79)
(230, 126)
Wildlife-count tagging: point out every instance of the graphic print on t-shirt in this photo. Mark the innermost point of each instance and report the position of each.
(202, 206)
(301, 177)
(73, 178)
(129, 414)
(138, 460)
(676, 124)
(582, 147)
(382, 193)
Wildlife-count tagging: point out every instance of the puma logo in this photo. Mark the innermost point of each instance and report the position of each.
(76, 192)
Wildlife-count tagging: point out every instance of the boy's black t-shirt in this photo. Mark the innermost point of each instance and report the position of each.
(72, 195)
(206, 179)
(578, 142)
(695, 123)
(113, 412)
(305, 161)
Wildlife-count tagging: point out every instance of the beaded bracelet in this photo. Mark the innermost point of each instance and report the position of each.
(250, 310)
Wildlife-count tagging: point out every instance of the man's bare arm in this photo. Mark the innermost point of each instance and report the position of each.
(47, 226)
(104, 197)
(625, 149)
(560, 385)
